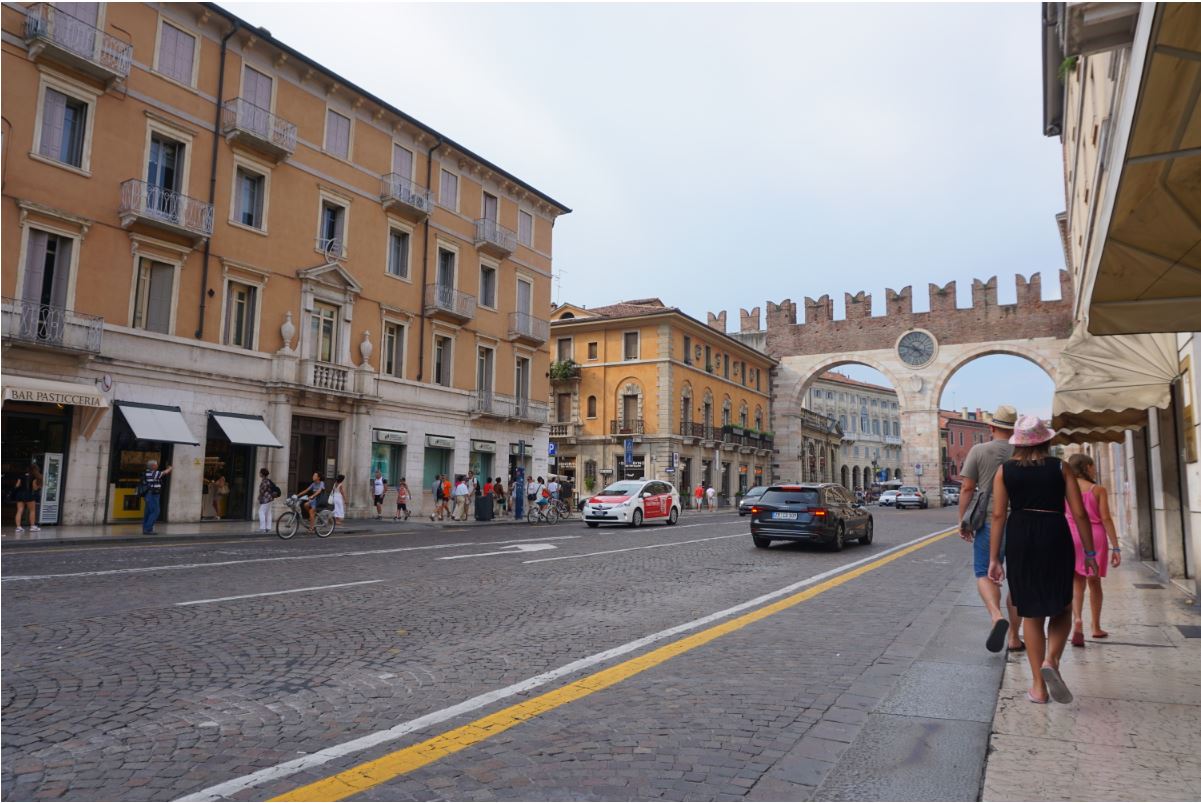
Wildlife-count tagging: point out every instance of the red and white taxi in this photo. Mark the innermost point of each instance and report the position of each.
(632, 502)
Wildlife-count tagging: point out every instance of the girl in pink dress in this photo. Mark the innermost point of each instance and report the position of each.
(1105, 537)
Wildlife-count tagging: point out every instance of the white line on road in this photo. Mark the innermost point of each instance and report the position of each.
(275, 593)
(514, 549)
(227, 789)
(632, 548)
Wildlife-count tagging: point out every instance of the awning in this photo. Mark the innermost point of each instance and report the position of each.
(248, 430)
(1105, 382)
(1114, 434)
(156, 422)
(49, 391)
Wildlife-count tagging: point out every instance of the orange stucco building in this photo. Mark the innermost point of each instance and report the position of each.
(199, 220)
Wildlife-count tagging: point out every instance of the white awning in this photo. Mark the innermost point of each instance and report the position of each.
(49, 391)
(248, 430)
(157, 423)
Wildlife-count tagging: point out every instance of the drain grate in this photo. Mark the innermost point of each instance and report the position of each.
(1147, 585)
(1189, 631)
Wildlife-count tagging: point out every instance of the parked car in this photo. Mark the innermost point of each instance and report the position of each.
(749, 498)
(822, 513)
(888, 498)
(632, 502)
(950, 495)
(911, 496)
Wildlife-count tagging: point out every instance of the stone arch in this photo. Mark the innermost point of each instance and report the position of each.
(1038, 356)
(835, 362)
(727, 410)
(855, 478)
(845, 474)
(868, 479)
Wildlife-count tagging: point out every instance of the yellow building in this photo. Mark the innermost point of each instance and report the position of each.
(693, 402)
(214, 246)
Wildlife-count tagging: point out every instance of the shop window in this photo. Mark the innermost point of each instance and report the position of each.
(398, 253)
(153, 296)
(240, 309)
(393, 356)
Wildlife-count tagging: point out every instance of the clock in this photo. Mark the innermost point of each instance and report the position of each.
(916, 348)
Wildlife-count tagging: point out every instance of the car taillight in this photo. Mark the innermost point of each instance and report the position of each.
(755, 511)
(820, 512)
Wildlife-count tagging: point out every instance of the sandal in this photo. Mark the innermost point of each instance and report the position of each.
(1021, 647)
(1030, 696)
(996, 637)
(1102, 634)
(1058, 690)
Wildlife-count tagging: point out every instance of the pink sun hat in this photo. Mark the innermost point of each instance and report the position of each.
(1030, 430)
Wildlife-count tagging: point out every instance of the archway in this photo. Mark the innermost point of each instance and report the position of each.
(844, 474)
(855, 480)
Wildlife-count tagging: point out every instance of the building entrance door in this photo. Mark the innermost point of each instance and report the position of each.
(314, 448)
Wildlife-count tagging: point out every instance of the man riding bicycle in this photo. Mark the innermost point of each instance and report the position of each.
(308, 498)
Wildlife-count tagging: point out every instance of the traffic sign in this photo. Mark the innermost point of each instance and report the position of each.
(550, 449)
(629, 452)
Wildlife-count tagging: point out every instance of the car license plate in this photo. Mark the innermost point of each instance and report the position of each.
(783, 516)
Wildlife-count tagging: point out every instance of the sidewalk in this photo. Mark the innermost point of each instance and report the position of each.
(1134, 730)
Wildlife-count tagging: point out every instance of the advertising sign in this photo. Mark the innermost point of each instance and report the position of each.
(52, 476)
(629, 452)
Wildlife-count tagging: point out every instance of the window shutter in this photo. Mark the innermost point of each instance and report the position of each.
(35, 266)
(53, 114)
(158, 299)
(337, 134)
(402, 161)
(62, 272)
(176, 49)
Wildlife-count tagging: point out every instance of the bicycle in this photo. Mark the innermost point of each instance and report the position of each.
(289, 522)
(547, 513)
(562, 508)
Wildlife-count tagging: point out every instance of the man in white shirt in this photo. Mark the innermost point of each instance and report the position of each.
(531, 490)
(711, 498)
(379, 486)
(553, 487)
(461, 493)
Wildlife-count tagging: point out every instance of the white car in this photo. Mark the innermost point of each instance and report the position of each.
(911, 496)
(889, 498)
(633, 502)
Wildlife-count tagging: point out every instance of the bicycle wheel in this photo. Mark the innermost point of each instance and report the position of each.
(531, 513)
(286, 525)
(552, 514)
(325, 524)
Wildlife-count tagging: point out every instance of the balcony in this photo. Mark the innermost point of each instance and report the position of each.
(404, 197)
(327, 376)
(53, 34)
(493, 238)
(627, 426)
(165, 209)
(443, 301)
(525, 328)
(697, 430)
(497, 405)
(531, 411)
(257, 128)
(50, 327)
(566, 430)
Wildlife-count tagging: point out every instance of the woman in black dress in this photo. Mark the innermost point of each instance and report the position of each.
(1040, 557)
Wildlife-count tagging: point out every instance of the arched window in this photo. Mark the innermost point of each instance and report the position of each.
(758, 419)
(842, 422)
(743, 416)
(566, 315)
(725, 413)
(592, 407)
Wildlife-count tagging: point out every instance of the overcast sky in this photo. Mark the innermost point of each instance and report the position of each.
(720, 155)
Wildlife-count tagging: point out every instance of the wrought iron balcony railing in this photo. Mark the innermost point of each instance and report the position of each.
(52, 30)
(491, 236)
(158, 205)
(52, 326)
(523, 326)
(444, 298)
(258, 126)
(398, 192)
(626, 426)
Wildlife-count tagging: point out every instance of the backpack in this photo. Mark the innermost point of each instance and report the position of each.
(276, 493)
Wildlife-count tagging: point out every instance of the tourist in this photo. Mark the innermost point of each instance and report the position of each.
(337, 498)
(266, 496)
(1039, 556)
(1105, 541)
(379, 487)
(699, 496)
(461, 494)
(711, 499)
(402, 500)
(25, 495)
(152, 488)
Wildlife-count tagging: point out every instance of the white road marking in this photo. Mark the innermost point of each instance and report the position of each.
(515, 549)
(311, 556)
(632, 548)
(276, 593)
(227, 789)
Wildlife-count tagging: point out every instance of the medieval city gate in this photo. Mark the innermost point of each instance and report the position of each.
(917, 351)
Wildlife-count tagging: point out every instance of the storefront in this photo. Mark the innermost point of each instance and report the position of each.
(388, 454)
(482, 459)
(230, 470)
(314, 450)
(564, 467)
(141, 433)
(635, 470)
(37, 426)
(439, 458)
(520, 457)
(743, 478)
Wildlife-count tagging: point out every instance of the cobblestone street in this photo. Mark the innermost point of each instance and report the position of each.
(168, 671)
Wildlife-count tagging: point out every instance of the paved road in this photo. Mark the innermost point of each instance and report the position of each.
(244, 670)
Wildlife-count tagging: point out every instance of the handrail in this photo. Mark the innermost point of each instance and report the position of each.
(53, 24)
(152, 201)
(242, 115)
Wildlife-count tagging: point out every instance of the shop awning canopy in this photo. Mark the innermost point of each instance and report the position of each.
(157, 422)
(247, 430)
(1111, 381)
(50, 391)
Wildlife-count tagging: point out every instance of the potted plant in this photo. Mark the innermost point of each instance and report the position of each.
(589, 484)
(562, 370)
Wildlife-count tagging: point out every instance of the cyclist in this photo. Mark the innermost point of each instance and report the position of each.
(542, 494)
(308, 498)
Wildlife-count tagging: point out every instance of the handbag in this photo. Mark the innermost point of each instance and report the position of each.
(977, 511)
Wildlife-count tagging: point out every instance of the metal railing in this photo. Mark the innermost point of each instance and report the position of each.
(394, 187)
(485, 402)
(564, 429)
(330, 377)
(331, 247)
(522, 324)
(695, 429)
(239, 114)
(627, 426)
(527, 410)
(49, 325)
(51, 24)
(446, 298)
(489, 232)
(150, 201)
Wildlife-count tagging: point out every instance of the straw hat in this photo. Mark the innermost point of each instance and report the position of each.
(1004, 417)
(1031, 430)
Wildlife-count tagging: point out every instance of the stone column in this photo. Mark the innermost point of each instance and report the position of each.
(279, 419)
(919, 428)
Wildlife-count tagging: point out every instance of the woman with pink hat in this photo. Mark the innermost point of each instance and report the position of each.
(1029, 495)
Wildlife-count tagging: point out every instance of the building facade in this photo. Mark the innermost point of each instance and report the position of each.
(961, 430)
(692, 402)
(222, 255)
(869, 418)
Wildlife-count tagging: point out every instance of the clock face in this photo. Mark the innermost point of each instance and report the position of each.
(916, 348)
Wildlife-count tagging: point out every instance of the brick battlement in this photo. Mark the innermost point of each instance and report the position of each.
(984, 321)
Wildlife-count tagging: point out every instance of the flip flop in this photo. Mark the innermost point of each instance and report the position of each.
(996, 637)
(1030, 696)
(1077, 638)
(1055, 686)
(1018, 648)
(1102, 634)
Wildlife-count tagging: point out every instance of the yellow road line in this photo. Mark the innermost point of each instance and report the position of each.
(372, 773)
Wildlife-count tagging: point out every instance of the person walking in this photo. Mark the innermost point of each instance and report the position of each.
(699, 496)
(447, 498)
(462, 493)
(402, 500)
(25, 495)
(1029, 495)
(498, 492)
(436, 493)
(152, 481)
(337, 498)
(266, 496)
(711, 499)
(553, 487)
(379, 487)
(1105, 541)
(975, 523)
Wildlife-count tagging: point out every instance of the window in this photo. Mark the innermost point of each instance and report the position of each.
(442, 360)
(525, 297)
(398, 253)
(330, 238)
(448, 192)
(402, 161)
(446, 268)
(631, 345)
(47, 278)
(488, 286)
(337, 134)
(176, 54)
(522, 380)
(249, 198)
(687, 350)
(742, 418)
(961, 438)
(709, 359)
(563, 407)
(392, 361)
(876, 426)
(856, 451)
(64, 122)
(592, 350)
(525, 228)
(863, 425)
(564, 349)
(485, 358)
(742, 374)
(153, 296)
(842, 422)
(240, 314)
(323, 330)
(491, 207)
(165, 170)
(896, 429)
(592, 407)
(757, 379)
(726, 365)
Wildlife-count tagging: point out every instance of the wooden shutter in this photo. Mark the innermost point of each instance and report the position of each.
(35, 266)
(402, 161)
(53, 115)
(158, 298)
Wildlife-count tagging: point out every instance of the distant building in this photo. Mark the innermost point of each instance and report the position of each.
(960, 431)
(869, 418)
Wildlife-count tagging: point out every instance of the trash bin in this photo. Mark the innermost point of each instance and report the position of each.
(483, 508)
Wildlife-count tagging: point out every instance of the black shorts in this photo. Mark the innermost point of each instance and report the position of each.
(379, 499)
(401, 503)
